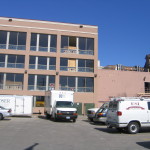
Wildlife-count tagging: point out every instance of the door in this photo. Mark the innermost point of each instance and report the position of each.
(19, 105)
(88, 106)
(79, 108)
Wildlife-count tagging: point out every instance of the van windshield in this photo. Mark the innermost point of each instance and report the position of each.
(64, 104)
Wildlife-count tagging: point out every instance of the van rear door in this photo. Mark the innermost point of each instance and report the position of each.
(112, 112)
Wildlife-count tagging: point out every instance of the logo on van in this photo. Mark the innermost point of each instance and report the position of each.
(135, 107)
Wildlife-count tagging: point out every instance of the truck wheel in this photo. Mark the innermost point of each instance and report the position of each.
(133, 128)
(74, 120)
(1, 117)
(55, 118)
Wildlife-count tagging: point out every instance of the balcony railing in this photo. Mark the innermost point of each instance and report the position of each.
(16, 47)
(2, 46)
(73, 69)
(11, 87)
(64, 68)
(15, 65)
(43, 49)
(78, 89)
(75, 51)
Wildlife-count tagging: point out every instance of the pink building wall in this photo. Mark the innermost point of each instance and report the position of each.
(112, 83)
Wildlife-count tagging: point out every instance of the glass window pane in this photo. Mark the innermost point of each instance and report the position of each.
(20, 59)
(63, 81)
(33, 39)
(89, 82)
(43, 41)
(64, 62)
(32, 60)
(3, 37)
(10, 77)
(31, 79)
(1, 78)
(19, 79)
(11, 58)
(52, 61)
(53, 41)
(13, 38)
(72, 41)
(71, 81)
(81, 63)
(81, 82)
(22, 38)
(41, 80)
(51, 79)
(90, 44)
(2, 58)
(42, 60)
(64, 41)
(90, 63)
(82, 43)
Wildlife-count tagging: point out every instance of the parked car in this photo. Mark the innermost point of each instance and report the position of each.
(101, 114)
(91, 113)
(4, 112)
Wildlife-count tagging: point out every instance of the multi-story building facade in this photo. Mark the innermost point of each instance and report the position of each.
(36, 56)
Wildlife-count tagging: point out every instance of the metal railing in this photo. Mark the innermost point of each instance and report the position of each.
(15, 65)
(11, 87)
(75, 51)
(43, 49)
(16, 47)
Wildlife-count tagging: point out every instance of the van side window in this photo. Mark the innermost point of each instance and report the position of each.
(148, 103)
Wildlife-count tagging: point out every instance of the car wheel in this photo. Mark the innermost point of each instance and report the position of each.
(74, 120)
(133, 128)
(1, 117)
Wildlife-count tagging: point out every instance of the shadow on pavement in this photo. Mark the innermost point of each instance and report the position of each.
(145, 144)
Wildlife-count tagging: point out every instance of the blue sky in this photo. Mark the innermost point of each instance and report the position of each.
(124, 25)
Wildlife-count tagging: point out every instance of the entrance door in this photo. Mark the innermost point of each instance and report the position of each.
(79, 108)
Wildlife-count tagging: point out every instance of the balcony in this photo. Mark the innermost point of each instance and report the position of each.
(11, 87)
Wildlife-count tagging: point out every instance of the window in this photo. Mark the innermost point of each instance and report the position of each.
(42, 63)
(78, 84)
(14, 81)
(33, 42)
(16, 61)
(67, 83)
(43, 42)
(3, 39)
(32, 62)
(64, 64)
(31, 81)
(85, 65)
(17, 40)
(85, 84)
(40, 82)
(68, 44)
(86, 46)
(147, 87)
(52, 63)
(2, 60)
(1, 80)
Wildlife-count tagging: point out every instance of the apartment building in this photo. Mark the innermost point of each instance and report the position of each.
(36, 56)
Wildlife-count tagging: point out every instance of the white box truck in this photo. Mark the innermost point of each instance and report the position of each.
(59, 105)
(20, 105)
(129, 113)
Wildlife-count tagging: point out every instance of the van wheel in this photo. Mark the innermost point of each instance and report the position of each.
(1, 117)
(133, 128)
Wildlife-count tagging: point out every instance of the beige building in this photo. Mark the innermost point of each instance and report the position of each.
(36, 56)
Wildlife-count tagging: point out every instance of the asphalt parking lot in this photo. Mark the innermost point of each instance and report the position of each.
(38, 133)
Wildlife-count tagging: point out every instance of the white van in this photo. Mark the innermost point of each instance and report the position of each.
(129, 113)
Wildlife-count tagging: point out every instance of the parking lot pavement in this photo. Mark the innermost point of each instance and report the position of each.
(38, 133)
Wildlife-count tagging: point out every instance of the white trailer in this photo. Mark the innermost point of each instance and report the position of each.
(20, 105)
(59, 105)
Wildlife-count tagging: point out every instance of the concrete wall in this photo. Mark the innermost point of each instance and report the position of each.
(112, 83)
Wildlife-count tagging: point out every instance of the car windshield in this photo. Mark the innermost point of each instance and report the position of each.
(64, 104)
